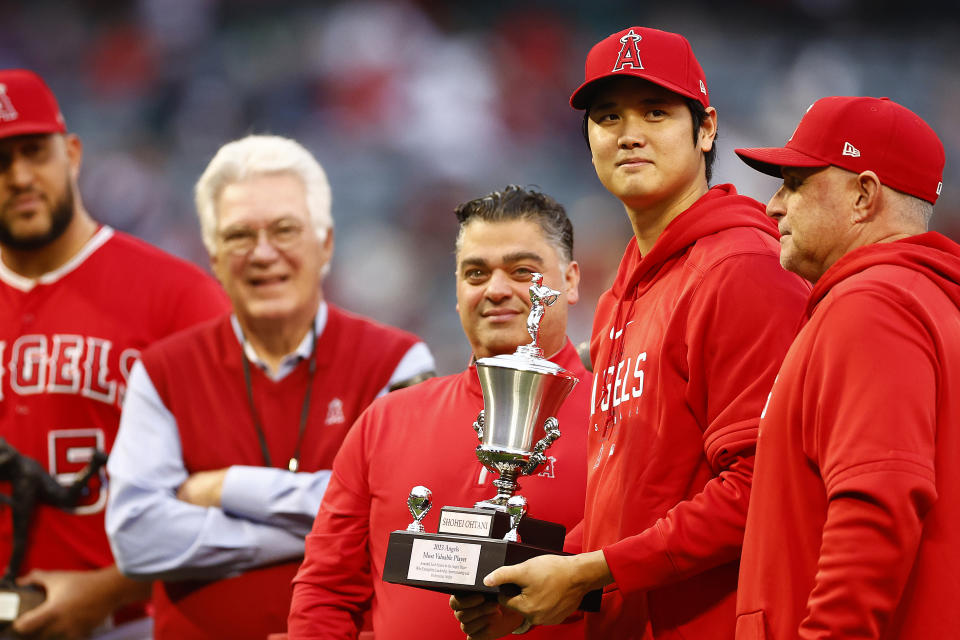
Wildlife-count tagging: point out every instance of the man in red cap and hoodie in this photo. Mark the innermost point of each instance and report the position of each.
(685, 348)
(854, 520)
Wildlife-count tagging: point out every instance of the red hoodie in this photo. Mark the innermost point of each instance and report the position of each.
(855, 516)
(685, 347)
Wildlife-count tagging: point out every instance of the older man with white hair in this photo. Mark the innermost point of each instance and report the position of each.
(228, 431)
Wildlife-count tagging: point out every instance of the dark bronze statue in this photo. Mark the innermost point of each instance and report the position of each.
(30, 484)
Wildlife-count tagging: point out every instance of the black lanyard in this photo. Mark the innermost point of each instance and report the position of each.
(294, 463)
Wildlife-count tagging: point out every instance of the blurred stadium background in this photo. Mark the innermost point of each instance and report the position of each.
(413, 107)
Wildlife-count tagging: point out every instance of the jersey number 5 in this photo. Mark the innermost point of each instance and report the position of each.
(70, 450)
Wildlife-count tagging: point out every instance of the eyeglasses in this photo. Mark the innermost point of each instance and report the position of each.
(283, 234)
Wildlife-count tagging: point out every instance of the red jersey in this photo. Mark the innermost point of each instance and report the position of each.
(67, 343)
(685, 347)
(198, 375)
(420, 435)
(855, 515)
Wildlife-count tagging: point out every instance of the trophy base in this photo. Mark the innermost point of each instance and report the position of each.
(456, 563)
(14, 601)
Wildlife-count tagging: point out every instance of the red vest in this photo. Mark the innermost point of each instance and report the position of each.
(199, 376)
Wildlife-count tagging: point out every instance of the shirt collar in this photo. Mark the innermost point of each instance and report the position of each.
(25, 284)
(291, 360)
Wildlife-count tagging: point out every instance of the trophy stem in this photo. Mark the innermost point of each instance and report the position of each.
(506, 486)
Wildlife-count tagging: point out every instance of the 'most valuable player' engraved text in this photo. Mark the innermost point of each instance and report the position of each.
(450, 562)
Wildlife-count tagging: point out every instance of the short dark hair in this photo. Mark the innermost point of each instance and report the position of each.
(519, 203)
(698, 114)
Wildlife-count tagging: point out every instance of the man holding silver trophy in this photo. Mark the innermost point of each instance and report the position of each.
(422, 435)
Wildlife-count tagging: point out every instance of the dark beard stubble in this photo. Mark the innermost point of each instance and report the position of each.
(60, 217)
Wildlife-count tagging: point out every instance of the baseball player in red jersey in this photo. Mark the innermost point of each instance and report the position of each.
(422, 435)
(80, 301)
(229, 429)
(685, 347)
(854, 519)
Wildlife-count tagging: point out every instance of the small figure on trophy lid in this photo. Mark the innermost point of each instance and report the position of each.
(540, 295)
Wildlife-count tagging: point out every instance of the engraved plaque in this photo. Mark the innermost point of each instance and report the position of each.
(444, 561)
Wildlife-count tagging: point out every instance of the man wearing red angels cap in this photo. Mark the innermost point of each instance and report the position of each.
(685, 347)
(854, 520)
(80, 301)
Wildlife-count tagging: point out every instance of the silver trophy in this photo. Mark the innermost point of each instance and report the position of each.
(522, 393)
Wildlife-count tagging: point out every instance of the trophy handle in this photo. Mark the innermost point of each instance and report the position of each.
(552, 431)
(479, 424)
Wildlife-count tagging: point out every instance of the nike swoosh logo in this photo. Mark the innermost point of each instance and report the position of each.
(619, 333)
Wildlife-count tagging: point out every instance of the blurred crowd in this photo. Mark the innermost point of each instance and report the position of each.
(414, 107)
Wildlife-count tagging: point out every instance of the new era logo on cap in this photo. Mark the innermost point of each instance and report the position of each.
(850, 150)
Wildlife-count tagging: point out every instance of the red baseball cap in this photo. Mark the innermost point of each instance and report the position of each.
(27, 105)
(861, 134)
(661, 57)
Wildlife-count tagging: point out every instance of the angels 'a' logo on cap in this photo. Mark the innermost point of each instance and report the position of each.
(7, 112)
(850, 150)
(629, 55)
(703, 88)
(939, 187)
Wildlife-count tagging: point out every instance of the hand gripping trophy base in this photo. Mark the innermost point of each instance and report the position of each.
(15, 600)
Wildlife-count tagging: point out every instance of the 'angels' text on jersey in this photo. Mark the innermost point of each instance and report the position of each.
(619, 384)
(65, 363)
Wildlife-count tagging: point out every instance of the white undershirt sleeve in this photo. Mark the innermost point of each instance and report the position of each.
(274, 496)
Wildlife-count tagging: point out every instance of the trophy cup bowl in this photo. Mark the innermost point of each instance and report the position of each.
(521, 395)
